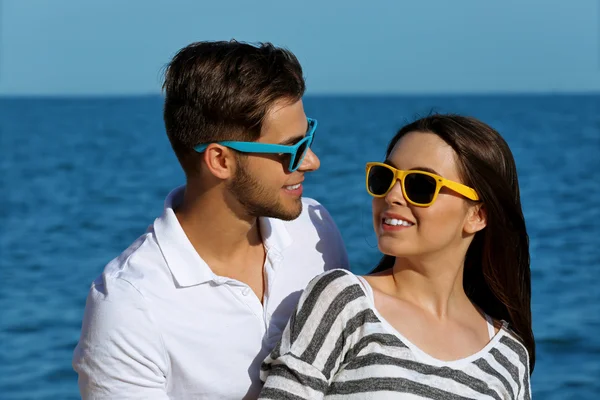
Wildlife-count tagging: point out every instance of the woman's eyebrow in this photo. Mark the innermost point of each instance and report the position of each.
(426, 169)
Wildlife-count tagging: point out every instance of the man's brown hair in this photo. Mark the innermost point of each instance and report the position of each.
(218, 91)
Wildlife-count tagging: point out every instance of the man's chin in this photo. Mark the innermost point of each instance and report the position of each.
(288, 211)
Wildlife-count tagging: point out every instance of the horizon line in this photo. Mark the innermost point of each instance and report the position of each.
(59, 96)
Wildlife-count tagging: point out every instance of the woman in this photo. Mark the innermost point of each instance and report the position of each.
(446, 313)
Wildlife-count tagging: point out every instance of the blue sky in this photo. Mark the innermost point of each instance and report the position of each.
(98, 47)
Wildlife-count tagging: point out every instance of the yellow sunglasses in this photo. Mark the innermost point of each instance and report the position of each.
(420, 188)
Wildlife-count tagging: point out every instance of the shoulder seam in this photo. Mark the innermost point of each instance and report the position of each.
(160, 336)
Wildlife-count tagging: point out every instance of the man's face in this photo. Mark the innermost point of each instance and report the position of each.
(262, 183)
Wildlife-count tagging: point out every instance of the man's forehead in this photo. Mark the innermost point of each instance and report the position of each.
(284, 121)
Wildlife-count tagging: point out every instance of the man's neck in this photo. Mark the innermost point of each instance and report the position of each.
(226, 241)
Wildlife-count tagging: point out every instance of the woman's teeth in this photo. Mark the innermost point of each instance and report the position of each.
(292, 187)
(396, 222)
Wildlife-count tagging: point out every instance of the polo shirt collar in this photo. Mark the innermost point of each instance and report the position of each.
(274, 234)
(185, 264)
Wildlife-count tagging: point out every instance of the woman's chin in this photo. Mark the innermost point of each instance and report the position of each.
(395, 249)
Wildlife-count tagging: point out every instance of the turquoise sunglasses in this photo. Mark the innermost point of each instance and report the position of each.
(296, 151)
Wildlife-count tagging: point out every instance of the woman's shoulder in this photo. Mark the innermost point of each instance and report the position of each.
(333, 281)
(513, 341)
(337, 286)
(511, 348)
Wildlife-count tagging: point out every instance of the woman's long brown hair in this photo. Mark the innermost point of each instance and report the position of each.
(497, 275)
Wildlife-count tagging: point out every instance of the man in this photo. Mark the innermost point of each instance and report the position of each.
(192, 307)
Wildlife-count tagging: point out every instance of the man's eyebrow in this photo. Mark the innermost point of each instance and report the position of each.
(295, 139)
(292, 140)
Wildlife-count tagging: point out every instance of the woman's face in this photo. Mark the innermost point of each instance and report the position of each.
(438, 228)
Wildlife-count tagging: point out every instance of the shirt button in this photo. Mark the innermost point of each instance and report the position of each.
(246, 291)
(219, 280)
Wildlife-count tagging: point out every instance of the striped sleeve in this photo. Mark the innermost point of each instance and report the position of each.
(513, 345)
(525, 390)
(326, 324)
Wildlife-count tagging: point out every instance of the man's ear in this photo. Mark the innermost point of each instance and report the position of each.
(220, 161)
(476, 219)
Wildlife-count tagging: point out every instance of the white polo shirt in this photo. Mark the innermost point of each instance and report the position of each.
(159, 324)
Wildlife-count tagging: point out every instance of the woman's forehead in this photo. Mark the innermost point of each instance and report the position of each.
(424, 149)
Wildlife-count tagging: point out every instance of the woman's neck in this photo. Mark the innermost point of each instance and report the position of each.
(435, 284)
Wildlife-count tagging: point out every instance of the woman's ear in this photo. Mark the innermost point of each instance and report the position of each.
(476, 219)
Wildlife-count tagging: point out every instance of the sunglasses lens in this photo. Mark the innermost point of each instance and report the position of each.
(379, 179)
(300, 153)
(420, 188)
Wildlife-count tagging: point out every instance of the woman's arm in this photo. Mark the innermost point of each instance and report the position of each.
(525, 389)
(289, 377)
(315, 339)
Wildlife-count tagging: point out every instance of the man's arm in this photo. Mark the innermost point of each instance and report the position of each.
(120, 353)
(338, 256)
(340, 246)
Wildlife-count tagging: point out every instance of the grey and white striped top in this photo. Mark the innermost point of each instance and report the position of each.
(337, 346)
